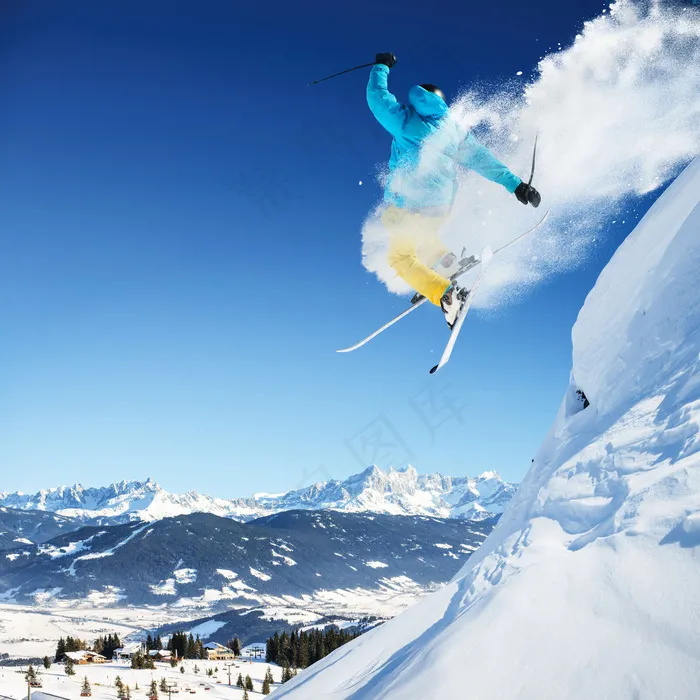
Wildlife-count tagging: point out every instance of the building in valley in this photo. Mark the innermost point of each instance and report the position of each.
(218, 652)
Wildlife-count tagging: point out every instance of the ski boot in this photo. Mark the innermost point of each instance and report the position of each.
(452, 302)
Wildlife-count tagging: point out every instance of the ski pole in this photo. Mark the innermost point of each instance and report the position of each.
(534, 155)
(342, 72)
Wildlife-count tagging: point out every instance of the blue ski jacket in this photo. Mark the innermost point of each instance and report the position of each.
(423, 170)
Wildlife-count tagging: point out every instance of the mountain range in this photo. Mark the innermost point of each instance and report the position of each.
(299, 565)
(367, 546)
(393, 492)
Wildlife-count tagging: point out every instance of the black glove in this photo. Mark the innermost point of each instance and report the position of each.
(386, 59)
(527, 194)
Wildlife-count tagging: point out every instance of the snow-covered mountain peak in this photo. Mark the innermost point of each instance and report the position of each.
(76, 496)
(401, 492)
(588, 584)
(396, 492)
(486, 476)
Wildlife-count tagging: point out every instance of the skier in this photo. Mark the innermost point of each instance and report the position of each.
(422, 184)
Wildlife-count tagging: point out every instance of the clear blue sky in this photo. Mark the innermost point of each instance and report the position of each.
(165, 174)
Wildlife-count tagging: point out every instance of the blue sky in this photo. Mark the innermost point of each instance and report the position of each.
(180, 224)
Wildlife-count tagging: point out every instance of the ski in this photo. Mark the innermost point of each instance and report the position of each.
(486, 255)
(420, 300)
(394, 320)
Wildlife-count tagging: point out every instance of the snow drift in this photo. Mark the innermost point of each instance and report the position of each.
(618, 114)
(588, 587)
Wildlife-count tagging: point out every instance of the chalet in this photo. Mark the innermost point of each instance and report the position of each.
(85, 657)
(128, 650)
(218, 652)
(160, 654)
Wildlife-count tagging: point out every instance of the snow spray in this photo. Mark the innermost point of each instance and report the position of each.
(618, 115)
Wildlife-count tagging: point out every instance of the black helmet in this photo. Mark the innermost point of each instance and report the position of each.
(434, 89)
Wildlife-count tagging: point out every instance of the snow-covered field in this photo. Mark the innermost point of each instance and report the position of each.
(588, 588)
(33, 632)
(102, 677)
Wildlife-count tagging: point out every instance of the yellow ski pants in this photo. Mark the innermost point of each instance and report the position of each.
(414, 247)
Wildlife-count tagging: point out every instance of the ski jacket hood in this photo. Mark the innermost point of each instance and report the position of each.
(427, 147)
(427, 104)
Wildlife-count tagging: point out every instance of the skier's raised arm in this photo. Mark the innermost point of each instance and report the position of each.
(388, 111)
(478, 158)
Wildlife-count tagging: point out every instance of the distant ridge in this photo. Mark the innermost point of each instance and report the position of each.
(394, 492)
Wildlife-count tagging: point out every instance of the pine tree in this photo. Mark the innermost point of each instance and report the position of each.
(60, 650)
(30, 675)
(191, 648)
(284, 655)
(47, 663)
(273, 649)
(74, 644)
(236, 646)
(118, 682)
(268, 676)
(177, 644)
(196, 669)
(248, 683)
(245, 694)
(127, 692)
(153, 692)
(70, 671)
(86, 689)
(182, 669)
(121, 692)
(163, 685)
(239, 682)
(199, 652)
(293, 648)
(304, 651)
(173, 662)
(107, 645)
(266, 686)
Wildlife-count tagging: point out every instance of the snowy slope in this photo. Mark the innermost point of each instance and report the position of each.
(31, 526)
(395, 492)
(588, 587)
